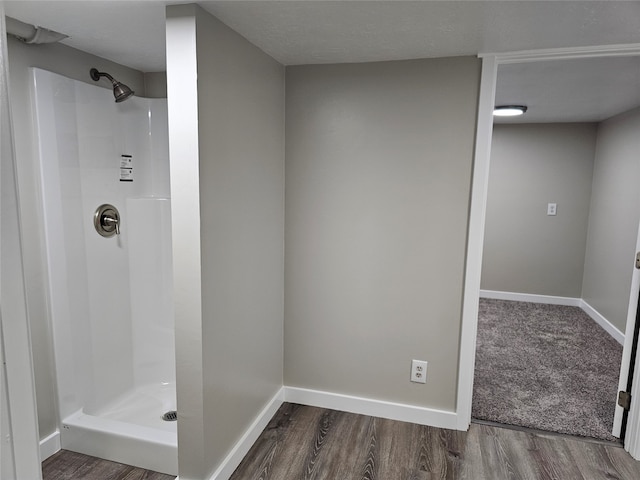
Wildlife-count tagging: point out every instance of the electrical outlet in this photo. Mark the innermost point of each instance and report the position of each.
(552, 208)
(418, 371)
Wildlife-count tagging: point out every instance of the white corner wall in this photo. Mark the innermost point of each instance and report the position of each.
(226, 134)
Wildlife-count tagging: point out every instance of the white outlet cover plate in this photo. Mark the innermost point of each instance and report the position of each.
(419, 371)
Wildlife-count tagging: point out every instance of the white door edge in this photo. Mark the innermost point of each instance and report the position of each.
(632, 437)
(478, 208)
(16, 337)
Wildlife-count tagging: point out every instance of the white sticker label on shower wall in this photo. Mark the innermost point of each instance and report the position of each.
(126, 168)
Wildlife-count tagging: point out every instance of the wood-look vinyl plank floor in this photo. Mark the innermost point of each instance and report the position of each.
(308, 443)
(66, 465)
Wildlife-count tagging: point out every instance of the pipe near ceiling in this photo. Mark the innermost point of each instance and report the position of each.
(31, 34)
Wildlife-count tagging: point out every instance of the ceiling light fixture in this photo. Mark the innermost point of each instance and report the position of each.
(509, 110)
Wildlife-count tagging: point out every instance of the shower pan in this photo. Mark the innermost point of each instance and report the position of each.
(106, 211)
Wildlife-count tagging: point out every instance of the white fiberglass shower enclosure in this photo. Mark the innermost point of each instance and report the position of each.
(110, 297)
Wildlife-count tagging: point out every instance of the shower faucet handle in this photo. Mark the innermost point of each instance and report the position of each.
(106, 220)
(109, 221)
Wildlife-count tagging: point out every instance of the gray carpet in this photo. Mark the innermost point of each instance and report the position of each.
(547, 367)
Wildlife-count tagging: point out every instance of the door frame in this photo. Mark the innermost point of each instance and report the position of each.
(477, 215)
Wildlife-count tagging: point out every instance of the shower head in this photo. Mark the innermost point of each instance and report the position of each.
(120, 90)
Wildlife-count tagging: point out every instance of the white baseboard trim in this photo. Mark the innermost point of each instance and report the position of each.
(335, 401)
(603, 322)
(375, 408)
(530, 297)
(240, 449)
(50, 445)
(551, 300)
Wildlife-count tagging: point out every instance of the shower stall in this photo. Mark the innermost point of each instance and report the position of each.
(106, 218)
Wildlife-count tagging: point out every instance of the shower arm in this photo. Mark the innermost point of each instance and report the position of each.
(95, 75)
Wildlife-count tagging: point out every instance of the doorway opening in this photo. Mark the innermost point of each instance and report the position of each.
(532, 286)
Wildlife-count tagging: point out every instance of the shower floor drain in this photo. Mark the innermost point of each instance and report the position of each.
(170, 416)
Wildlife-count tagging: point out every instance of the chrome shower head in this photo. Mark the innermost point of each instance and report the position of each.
(120, 91)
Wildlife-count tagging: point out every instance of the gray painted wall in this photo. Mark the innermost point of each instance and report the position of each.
(378, 171)
(526, 251)
(614, 218)
(74, 64)
(155, 84)
(229, 339)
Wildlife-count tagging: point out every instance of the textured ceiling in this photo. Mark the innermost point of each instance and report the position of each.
(355, 31)
(300, 32)
(587, 90)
